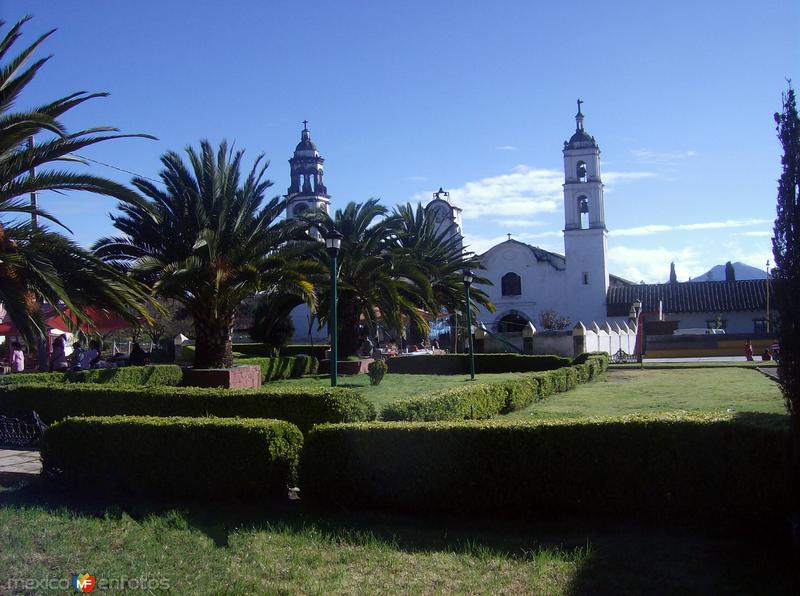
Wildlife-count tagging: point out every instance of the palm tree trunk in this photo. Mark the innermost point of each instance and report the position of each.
(214, 342)
(349, 329)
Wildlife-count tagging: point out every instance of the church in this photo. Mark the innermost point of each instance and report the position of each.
(543, 288)
(529, 282)
(534, 286)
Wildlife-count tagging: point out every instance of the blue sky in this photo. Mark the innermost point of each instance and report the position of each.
(476, 97)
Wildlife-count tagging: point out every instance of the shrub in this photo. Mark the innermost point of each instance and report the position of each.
(173, 457)
(479, 401)
(303, 407)
(272, 369)
(455, 364)
(155, 374)
(256, 350)
(582, 358)
(376, 371)
(702, 464)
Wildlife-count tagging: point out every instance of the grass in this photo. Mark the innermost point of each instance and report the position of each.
(288, 547)
(632, 390)
(393, 387)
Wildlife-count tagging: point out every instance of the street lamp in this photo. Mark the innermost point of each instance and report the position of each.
(636, 309)
(467, 284)
(333, 242)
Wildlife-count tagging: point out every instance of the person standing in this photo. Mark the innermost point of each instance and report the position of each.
(17, 358)
(748, 350)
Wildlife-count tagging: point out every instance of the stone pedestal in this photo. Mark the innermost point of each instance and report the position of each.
(238, 377)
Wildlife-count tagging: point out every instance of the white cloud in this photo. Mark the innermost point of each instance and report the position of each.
(758, 234)
(518, 223)
(506, 148)
(647, 230)
(525, 191)
(662, 157)
(612, 177)
(652, 264)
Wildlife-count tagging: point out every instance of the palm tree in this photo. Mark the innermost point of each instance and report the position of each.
(374, 280)
(38, 265)
(207, 242)
(439, 254)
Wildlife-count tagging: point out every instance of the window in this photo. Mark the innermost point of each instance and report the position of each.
(299, 208)
(585, 277)
(511, 284)
(581, 173)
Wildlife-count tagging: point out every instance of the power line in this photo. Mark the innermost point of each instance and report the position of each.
(108, 165)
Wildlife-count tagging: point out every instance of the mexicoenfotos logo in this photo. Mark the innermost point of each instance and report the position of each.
(83, 583)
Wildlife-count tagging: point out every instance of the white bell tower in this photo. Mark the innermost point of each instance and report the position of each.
(585, 233)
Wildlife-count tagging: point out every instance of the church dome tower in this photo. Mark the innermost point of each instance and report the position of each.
(585, 233)
(307, 190)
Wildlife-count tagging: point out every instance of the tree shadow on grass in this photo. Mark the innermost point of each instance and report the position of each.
(612, 554)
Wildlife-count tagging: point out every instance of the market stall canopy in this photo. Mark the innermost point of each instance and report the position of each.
(103, 321)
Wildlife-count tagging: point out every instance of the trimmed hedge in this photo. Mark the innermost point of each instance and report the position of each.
(303, 407)
(283, 367)
(479, 401)
(155, 374)
(707, 465)
(261, 351)
(582, 358)
(456, 364)
(272, 369)
(173, 457)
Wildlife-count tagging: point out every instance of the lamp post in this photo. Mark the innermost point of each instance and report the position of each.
(467, 284)
(636, 310)
(333, 242)
(766, 291)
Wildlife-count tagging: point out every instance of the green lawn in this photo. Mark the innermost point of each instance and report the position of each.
(392, 387)
(628, 390)
(289, 548)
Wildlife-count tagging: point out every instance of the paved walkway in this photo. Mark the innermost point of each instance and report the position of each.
(19, 461)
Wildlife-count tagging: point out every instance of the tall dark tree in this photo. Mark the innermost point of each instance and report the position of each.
(673, 277)
(730, 272)
(208, 240)
(786, 275)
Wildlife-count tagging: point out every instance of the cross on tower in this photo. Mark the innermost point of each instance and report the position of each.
(580, 101)
(305, 124)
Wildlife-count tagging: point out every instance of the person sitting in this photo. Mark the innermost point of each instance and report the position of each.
(88, 359)
(138, 356)
(766, 355)
(58, 358)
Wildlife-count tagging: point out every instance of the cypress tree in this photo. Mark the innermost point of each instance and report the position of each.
(730, 272)
(786, 278)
